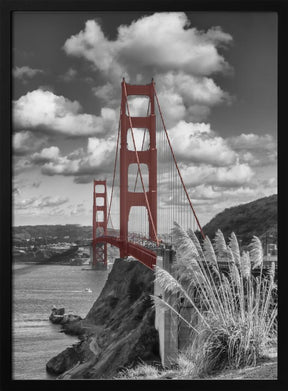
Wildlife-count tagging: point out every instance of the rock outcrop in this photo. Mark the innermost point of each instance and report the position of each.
(117, 332)
(58, 316)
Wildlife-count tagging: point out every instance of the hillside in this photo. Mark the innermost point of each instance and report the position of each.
(42, 234)
(254, 218)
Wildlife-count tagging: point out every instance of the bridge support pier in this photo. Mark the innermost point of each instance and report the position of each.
(166, 322)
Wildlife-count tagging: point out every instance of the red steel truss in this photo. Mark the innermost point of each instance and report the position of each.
(99, 225)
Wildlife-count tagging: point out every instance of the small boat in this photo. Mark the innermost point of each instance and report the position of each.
(88, 290)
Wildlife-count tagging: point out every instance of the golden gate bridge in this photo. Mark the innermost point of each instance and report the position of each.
(151, 194)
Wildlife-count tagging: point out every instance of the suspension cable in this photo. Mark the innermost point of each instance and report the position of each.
(139, 168)
(179, 173)
(114, 172)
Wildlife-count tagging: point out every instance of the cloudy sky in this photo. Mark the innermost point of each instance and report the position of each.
(216, 78)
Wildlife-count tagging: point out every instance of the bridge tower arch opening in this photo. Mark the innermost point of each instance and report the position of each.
(138, 225)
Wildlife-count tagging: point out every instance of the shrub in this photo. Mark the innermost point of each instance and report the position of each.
(141, 371)
(237, 312)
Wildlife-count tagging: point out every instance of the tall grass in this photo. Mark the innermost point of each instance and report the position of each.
(142, 371)
(236, 311)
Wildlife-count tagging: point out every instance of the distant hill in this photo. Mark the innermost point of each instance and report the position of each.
(52, 233)
(254, 218)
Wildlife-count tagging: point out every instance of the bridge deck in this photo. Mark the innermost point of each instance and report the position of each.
(148, 257)
(143, 254)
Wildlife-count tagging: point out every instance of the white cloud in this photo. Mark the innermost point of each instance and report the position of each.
(51, 201)
(56, 114)
(24, 203)
(25, 142)
(161, 42)
(25, 72)
(172, 107)
(61, 166)
(99, 151)
(36, 184)
(77, 210)
(56, 212)
(237, 175)
(92, 45)
(203, 192)
(270, 183)
(141, 138)
(193, 89)
(138, 106)
(257, 150)
(196, 142)
(216, 163)
(39, 202)
(252, 141)
(213, 195)
(105, 93)
(21, 165)
(188, 97)
(69, 75)
(84, 165)
(16, 191)
(76, 154)
(98, 158)
(46, 155)
(233, 176)
(180, 57)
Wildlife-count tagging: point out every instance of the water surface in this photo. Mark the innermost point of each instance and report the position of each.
(36, 288)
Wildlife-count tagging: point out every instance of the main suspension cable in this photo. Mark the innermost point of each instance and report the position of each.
(114, 172)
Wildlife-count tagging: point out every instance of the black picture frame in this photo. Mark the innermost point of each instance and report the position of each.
(10, 6)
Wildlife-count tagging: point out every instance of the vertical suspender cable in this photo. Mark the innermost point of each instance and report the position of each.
(180, 176)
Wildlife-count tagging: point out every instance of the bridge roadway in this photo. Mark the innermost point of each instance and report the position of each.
(143, 254)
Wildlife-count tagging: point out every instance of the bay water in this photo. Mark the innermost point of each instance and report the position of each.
(36, 288)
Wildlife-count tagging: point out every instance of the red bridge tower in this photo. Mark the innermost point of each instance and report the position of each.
(148, 198)
(99, 224)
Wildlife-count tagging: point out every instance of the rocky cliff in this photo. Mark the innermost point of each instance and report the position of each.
(118, 331)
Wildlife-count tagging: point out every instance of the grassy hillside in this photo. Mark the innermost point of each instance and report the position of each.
(254, 218)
